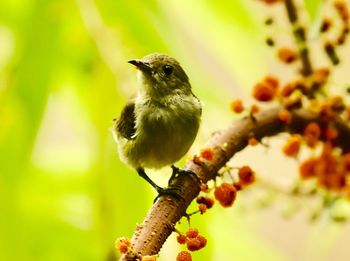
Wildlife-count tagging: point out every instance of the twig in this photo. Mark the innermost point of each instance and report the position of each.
(300, 39)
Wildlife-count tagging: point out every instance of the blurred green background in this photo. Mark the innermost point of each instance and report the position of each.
(64, 194)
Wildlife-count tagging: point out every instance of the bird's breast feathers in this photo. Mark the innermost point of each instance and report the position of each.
(164, 132)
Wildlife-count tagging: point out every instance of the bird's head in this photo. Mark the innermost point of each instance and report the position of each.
(161, 75)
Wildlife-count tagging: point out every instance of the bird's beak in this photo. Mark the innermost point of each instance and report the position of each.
(141, 65)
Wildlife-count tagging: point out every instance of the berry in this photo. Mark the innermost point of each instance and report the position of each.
(122, 244)
(184, 256)
(193, 244)
(291, 148)
(331, 133)
(207, 153)
(208, 202)
(307, 169)
(285, 116)
(246, 175)
(254, 109)
(272, 81)
(287, 55)
(226, 194)
(320, 76)
(263, 92)
(202, 240)
(181, 239)
(288, 89)
(192, 232)
(253, 141)
(202, 208)
(237, 106)
(312, 133)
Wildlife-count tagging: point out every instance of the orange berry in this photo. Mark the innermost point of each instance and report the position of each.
(254, 109)
(122, 244)
(193, 244)
(192, 232)
(285, 116)
(237, 106)
(202, 240)
(207, 153)
(291, 148)
(272, 81)
(264, 92)
(332, 181)
(202, 208)
(287, 90)
(238, 185)
(312, 133)
(287, 55)
(181, 239)
(307, 169)
(226, 194)
(253, 141)
(246, 175)
(321, 75)
(184, 256)
(208, 202)
(331, 133)
(326, 111)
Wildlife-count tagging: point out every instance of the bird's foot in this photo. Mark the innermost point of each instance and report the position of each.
(172, 191)
(177, 171)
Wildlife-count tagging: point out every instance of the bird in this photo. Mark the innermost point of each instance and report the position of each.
(158, 125)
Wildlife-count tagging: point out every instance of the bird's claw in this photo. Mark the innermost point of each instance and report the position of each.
(177, 171)
(172, 191)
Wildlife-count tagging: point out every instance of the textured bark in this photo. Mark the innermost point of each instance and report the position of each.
(168, 210)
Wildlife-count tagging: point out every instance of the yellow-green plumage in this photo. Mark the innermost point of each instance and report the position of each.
(158, 126)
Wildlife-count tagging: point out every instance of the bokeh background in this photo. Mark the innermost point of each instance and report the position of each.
(65, 195)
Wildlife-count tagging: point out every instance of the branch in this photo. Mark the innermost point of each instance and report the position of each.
(168, 210)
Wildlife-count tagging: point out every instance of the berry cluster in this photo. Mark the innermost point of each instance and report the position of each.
(193, 241)
(226, 193)
(309, 91)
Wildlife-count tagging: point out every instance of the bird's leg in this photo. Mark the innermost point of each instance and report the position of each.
(161, 191)
(178, 171)
(143, 175)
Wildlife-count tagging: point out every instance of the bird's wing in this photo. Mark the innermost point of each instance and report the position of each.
(125, 124)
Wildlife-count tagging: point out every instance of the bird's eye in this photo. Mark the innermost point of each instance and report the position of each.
(167, 69)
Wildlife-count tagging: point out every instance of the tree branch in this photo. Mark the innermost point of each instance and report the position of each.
(168, 210)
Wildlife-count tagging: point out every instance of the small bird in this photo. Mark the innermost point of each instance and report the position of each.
(159, 124)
